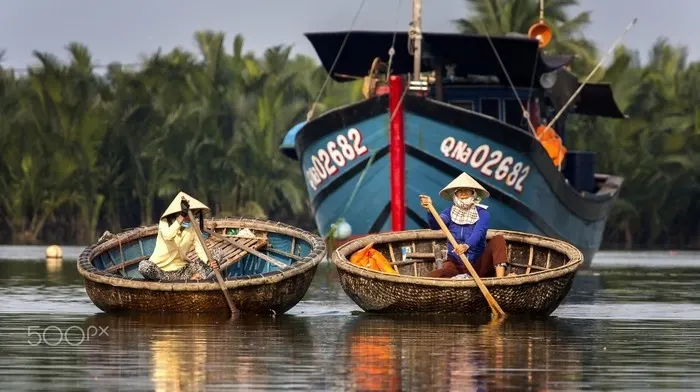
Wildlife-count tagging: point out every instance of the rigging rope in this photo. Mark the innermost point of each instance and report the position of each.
(310, 114)
(331, 232)
(392, 51)
(629, 26)
(526, 114)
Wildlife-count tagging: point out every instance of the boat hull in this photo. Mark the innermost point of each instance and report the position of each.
(254, 285)
(537, 291)
(528, 193)
(270, 298)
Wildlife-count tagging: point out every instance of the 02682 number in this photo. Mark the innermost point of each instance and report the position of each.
(490, 162)
(337, 154)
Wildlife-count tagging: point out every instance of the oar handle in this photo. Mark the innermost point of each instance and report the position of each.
(489, 298)
(214, 265)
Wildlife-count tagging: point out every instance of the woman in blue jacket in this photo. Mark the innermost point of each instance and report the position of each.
(468, 221)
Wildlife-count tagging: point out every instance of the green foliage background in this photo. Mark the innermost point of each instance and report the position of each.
(86, 151)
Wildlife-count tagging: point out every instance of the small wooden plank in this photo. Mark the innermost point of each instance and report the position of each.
(283, 253)
(415, 265)
(549, 255)
(229, 251)
(125, 264)
(255, 252)
(232, 251)
(393, 259)
(111, 259)
(411, 261)
(535, 267)
(121, 251)
(238, 254)
(419, 255)
(292, 246)
(529, 262)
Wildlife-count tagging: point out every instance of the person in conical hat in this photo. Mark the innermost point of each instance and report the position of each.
(176, 238)
(468, 221)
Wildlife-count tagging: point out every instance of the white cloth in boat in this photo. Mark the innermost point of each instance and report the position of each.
(173, 243)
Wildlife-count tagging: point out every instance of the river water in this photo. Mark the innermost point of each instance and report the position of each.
(631, 322)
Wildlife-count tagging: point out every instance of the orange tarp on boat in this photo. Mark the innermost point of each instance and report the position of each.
(371, 258)
(552, 143)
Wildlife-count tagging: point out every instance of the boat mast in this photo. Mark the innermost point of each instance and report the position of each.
(417, 37)
(397, 148)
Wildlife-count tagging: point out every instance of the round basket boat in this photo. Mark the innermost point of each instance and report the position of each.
(271, 276)
(539, 275)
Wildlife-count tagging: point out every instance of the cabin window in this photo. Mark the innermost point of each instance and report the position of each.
(469, 105)
(491, 107)
(514, 113)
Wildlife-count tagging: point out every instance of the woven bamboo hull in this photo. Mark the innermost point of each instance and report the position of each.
(274, 298)
(528, 293)
(254, 285)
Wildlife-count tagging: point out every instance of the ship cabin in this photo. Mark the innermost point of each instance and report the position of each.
(477, 73)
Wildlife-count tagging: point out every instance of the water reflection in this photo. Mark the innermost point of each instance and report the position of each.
(190, 352)
(453, 353)
(622, 328)
(53, 269)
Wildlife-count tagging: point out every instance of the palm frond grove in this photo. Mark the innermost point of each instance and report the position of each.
(86, 151)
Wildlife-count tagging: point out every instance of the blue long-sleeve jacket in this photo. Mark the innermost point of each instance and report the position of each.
(473, 235)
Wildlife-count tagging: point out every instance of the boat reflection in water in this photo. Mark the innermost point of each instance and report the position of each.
(193, 352)
(392, 353)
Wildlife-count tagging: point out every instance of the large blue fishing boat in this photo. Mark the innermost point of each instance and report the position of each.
(477, 105)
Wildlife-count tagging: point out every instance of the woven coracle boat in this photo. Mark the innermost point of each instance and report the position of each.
(266, 273)
(539, 275)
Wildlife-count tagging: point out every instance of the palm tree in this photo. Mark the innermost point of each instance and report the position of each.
(500, 17)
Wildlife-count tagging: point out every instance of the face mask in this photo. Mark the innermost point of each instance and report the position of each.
(463, 203)
(186, 224)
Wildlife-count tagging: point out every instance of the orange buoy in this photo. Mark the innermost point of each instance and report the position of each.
(541, 32)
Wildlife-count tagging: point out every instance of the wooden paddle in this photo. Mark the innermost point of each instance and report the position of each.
(495, 308)
(219, 278)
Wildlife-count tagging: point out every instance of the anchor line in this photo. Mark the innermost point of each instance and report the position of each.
(310, 114)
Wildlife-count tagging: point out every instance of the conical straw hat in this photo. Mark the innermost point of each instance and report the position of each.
(464, 180)
(174, 207)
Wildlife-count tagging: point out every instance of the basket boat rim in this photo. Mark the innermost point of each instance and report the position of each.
(317, 254)
(574, 257)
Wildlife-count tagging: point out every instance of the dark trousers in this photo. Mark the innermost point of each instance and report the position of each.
(494, 254)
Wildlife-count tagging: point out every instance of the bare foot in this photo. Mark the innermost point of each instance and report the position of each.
(196, 277)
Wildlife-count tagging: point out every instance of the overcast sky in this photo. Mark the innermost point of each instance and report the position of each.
(122, 30)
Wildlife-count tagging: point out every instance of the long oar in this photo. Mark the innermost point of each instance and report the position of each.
(495, 308)
(219, 278)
